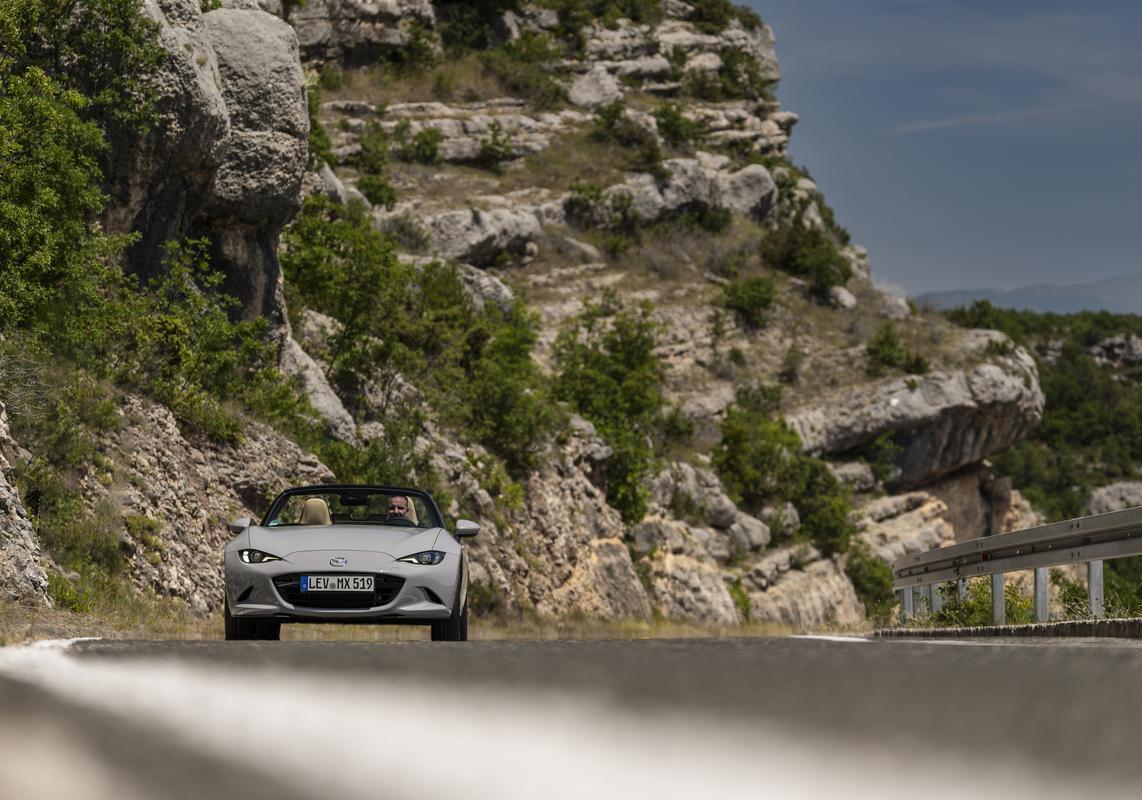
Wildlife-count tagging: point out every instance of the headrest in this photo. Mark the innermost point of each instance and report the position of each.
(315, 512)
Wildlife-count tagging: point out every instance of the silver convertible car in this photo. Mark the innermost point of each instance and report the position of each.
(349, 554)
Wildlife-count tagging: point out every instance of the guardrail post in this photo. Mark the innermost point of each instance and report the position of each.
(1042, 596)
(926, 596)
(906, 607)
(998, 601)
(1094, 589)
(937, 598)
(962, 590)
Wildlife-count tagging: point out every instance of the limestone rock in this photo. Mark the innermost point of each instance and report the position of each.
(562, 551)
(22, 579)
(686, 589)
(900, 525)
(817, 595)
(1114, 497)
(1118, 351)
(357, 31)
(225, 157)
(595, 88)
(478, 237)
(750, 190)
(295, 362)
(842, 298)
(856, 474)
(256, 188)
(950, 419)
(484, 288)
(191, 490)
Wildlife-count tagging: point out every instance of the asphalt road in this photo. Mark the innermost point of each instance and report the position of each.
(775, 717)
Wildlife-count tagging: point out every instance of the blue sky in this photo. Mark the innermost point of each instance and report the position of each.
(969, 143)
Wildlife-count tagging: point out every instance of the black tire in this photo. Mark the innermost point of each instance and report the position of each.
(238, 629)
(455, 628)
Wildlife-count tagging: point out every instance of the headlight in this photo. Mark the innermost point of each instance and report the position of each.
(427, 558)
(256, 557)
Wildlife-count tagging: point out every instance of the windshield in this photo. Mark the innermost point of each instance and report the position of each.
(353, 506)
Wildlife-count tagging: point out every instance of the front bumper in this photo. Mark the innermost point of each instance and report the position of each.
(426, 592)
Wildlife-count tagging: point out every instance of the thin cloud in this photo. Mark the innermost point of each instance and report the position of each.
(1004, 117)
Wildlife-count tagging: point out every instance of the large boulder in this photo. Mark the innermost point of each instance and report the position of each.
(310, 377)
(225, 156)
(257, 186)
(356, 31)
(943, 421)
(22, 579)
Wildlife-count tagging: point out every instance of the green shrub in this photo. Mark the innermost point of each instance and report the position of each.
(525, 79)
(407, 233)
(495, 148)
(701, 216)
(749, 298)
(741, 600)
(575, 15)
(470, 24)
(76, 95)
(320, 147)
(713, 16)
(372, 162)
(331, 76)
(759, 461)
(422, 148)
(608, 372)
(419, 50)
(677, 129)
(806, 252)
(418, 323)
(975, 609)
(872, 579)
(738, 78)
(886, 351)
(583, 205)
(378, 190)
(791, 364)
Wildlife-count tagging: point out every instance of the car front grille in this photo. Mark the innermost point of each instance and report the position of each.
(385, 590)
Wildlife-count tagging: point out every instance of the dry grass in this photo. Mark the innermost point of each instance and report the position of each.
(459, 80)
(19, 624)
(572, 157)
(162, 620)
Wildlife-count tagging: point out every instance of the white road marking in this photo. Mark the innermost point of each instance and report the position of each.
(823, 637)
(356, 735)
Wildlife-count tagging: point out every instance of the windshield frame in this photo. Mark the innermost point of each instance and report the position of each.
(437, 520)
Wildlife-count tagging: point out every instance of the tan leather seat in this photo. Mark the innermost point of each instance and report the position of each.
(315, 512)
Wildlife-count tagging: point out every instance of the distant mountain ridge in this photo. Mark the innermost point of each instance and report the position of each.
(1121, 295)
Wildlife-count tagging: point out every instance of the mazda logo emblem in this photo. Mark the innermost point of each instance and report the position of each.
(340, 561)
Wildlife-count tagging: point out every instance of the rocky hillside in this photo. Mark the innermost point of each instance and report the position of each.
(737, 425)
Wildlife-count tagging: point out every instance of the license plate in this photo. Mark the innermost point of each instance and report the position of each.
(337, 583)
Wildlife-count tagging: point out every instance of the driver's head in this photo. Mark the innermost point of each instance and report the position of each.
(397, 507)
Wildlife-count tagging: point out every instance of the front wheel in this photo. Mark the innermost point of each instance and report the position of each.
(453, 629)
(238, 629)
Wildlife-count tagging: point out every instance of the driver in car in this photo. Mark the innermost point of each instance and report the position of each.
(397, 507)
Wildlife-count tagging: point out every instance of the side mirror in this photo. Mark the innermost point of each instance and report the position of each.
(466, 528)
(240, 524)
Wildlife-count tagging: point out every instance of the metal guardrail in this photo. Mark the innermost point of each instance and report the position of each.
(1085, 539)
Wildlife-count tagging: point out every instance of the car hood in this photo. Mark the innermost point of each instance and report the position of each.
(395, 541)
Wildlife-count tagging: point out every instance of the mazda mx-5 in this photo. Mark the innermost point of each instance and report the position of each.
(348, 554)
